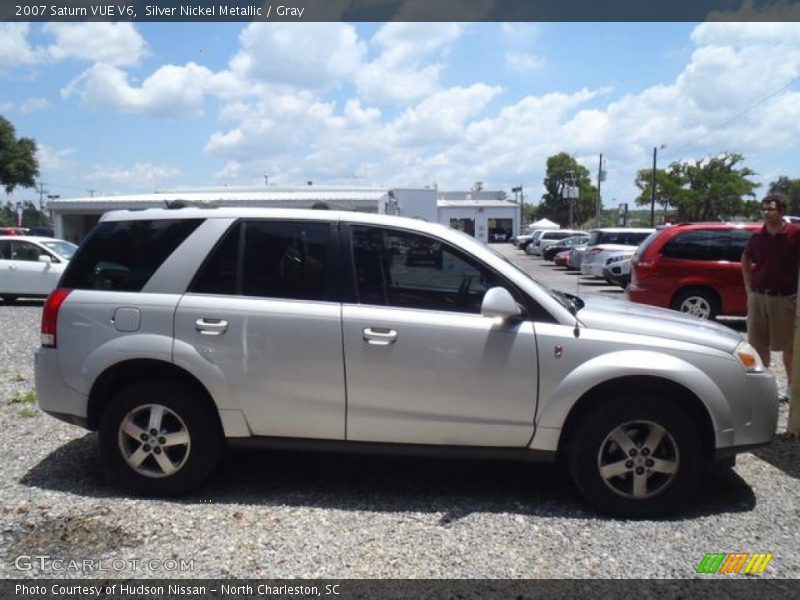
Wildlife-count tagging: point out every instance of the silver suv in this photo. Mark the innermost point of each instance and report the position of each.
(176, 333)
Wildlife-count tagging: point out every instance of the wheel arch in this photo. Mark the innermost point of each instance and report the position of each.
(682, 397)
(123, 373)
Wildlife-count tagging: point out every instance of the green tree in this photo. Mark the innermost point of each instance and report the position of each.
(790, 189)
(554, 205)
(710, 189)
(18, 164)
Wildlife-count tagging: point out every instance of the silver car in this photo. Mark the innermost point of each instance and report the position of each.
(178, 332)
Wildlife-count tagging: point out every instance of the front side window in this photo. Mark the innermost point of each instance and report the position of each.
(269, 259)
(410, 270)
(123, 255)
(26, 251)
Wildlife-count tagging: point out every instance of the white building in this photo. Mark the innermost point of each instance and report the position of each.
(478, 213)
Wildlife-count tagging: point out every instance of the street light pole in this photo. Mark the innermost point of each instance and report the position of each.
(599, 180)
(653, 191)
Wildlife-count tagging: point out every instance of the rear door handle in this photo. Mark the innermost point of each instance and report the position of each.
(211, 326)
(378, 336)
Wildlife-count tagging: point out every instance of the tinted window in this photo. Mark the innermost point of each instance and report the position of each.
(123, 255)
(26, 251)
(397, 268)
(739, 239)
(269, 259)
(219, 274)
(700, 244)
(5, 250)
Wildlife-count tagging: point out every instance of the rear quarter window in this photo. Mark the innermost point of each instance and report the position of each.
(123, 255)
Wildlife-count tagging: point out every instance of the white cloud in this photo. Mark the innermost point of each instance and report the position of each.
(524, 62)
(15, 50)
(403, 71)
(138, 176)
(6, 107)
(441, 118)
(32, 105)
(171, 91)
(309, 55)
(118, 44)
(51, 159)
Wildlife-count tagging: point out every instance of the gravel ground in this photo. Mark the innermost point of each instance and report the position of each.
(276, 515)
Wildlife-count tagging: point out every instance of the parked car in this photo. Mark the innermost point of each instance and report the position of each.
(595, 258)
(575, 257)
(547, 238)
(562, 259)
(14, 230)
(550, 252)
(31, 266)
(621, 237)
(618, 269)
(306, 329)
(693, 268)
(522, 241)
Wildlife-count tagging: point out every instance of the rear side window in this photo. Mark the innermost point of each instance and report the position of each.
(123, 255)
(269, 259)
(707, 244)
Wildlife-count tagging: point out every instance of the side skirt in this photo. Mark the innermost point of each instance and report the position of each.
(345, 447)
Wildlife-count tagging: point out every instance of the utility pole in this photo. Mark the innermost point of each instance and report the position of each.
(600, 176)
(42, 192)
(653, 191)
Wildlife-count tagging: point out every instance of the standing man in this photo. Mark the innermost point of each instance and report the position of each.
(769, 267)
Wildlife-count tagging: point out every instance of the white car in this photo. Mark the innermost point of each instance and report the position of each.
(548, 237)
(31, 266)
(595, 259)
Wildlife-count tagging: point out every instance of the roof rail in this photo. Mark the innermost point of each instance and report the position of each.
(175, 204)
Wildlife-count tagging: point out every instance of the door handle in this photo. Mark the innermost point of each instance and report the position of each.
(379, 337)
(211, 326)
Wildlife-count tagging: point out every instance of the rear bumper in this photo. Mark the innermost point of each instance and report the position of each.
(634, 293)
(53, 395)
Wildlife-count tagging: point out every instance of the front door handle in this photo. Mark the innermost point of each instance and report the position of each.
(378, 336)
(211, 326)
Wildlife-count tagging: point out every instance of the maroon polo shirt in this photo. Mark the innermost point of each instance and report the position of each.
(776, 259)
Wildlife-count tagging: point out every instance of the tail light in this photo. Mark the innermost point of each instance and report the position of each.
(596, 250)
(50, 316)
(642, 268)
(538, 243)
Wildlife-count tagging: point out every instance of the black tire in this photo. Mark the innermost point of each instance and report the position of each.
(189, 438)
(700, 302)
(8, 299)
(658, 478)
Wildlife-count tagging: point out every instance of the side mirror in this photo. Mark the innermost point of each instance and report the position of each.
(498, 302)
(44, 258)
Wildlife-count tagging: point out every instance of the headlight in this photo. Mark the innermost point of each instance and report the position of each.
(749, 358)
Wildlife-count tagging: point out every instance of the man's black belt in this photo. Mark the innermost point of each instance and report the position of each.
(774, 293)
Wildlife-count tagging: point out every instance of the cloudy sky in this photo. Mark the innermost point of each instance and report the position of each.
(123, 108)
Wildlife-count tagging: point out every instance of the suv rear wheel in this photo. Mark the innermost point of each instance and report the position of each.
(158, 440)
(636, 457)
(699, 302)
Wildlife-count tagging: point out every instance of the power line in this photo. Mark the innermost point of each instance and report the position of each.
(734, 118)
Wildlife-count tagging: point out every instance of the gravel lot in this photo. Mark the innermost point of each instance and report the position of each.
(276, 515)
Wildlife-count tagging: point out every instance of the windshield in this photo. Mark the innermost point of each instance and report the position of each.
(65, 250)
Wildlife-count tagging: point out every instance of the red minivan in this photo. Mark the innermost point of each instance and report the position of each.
(693, 268)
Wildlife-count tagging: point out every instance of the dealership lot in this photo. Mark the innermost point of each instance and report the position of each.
(269, 514)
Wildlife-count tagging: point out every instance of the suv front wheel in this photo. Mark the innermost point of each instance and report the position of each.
(157, 439)
(638, 456)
